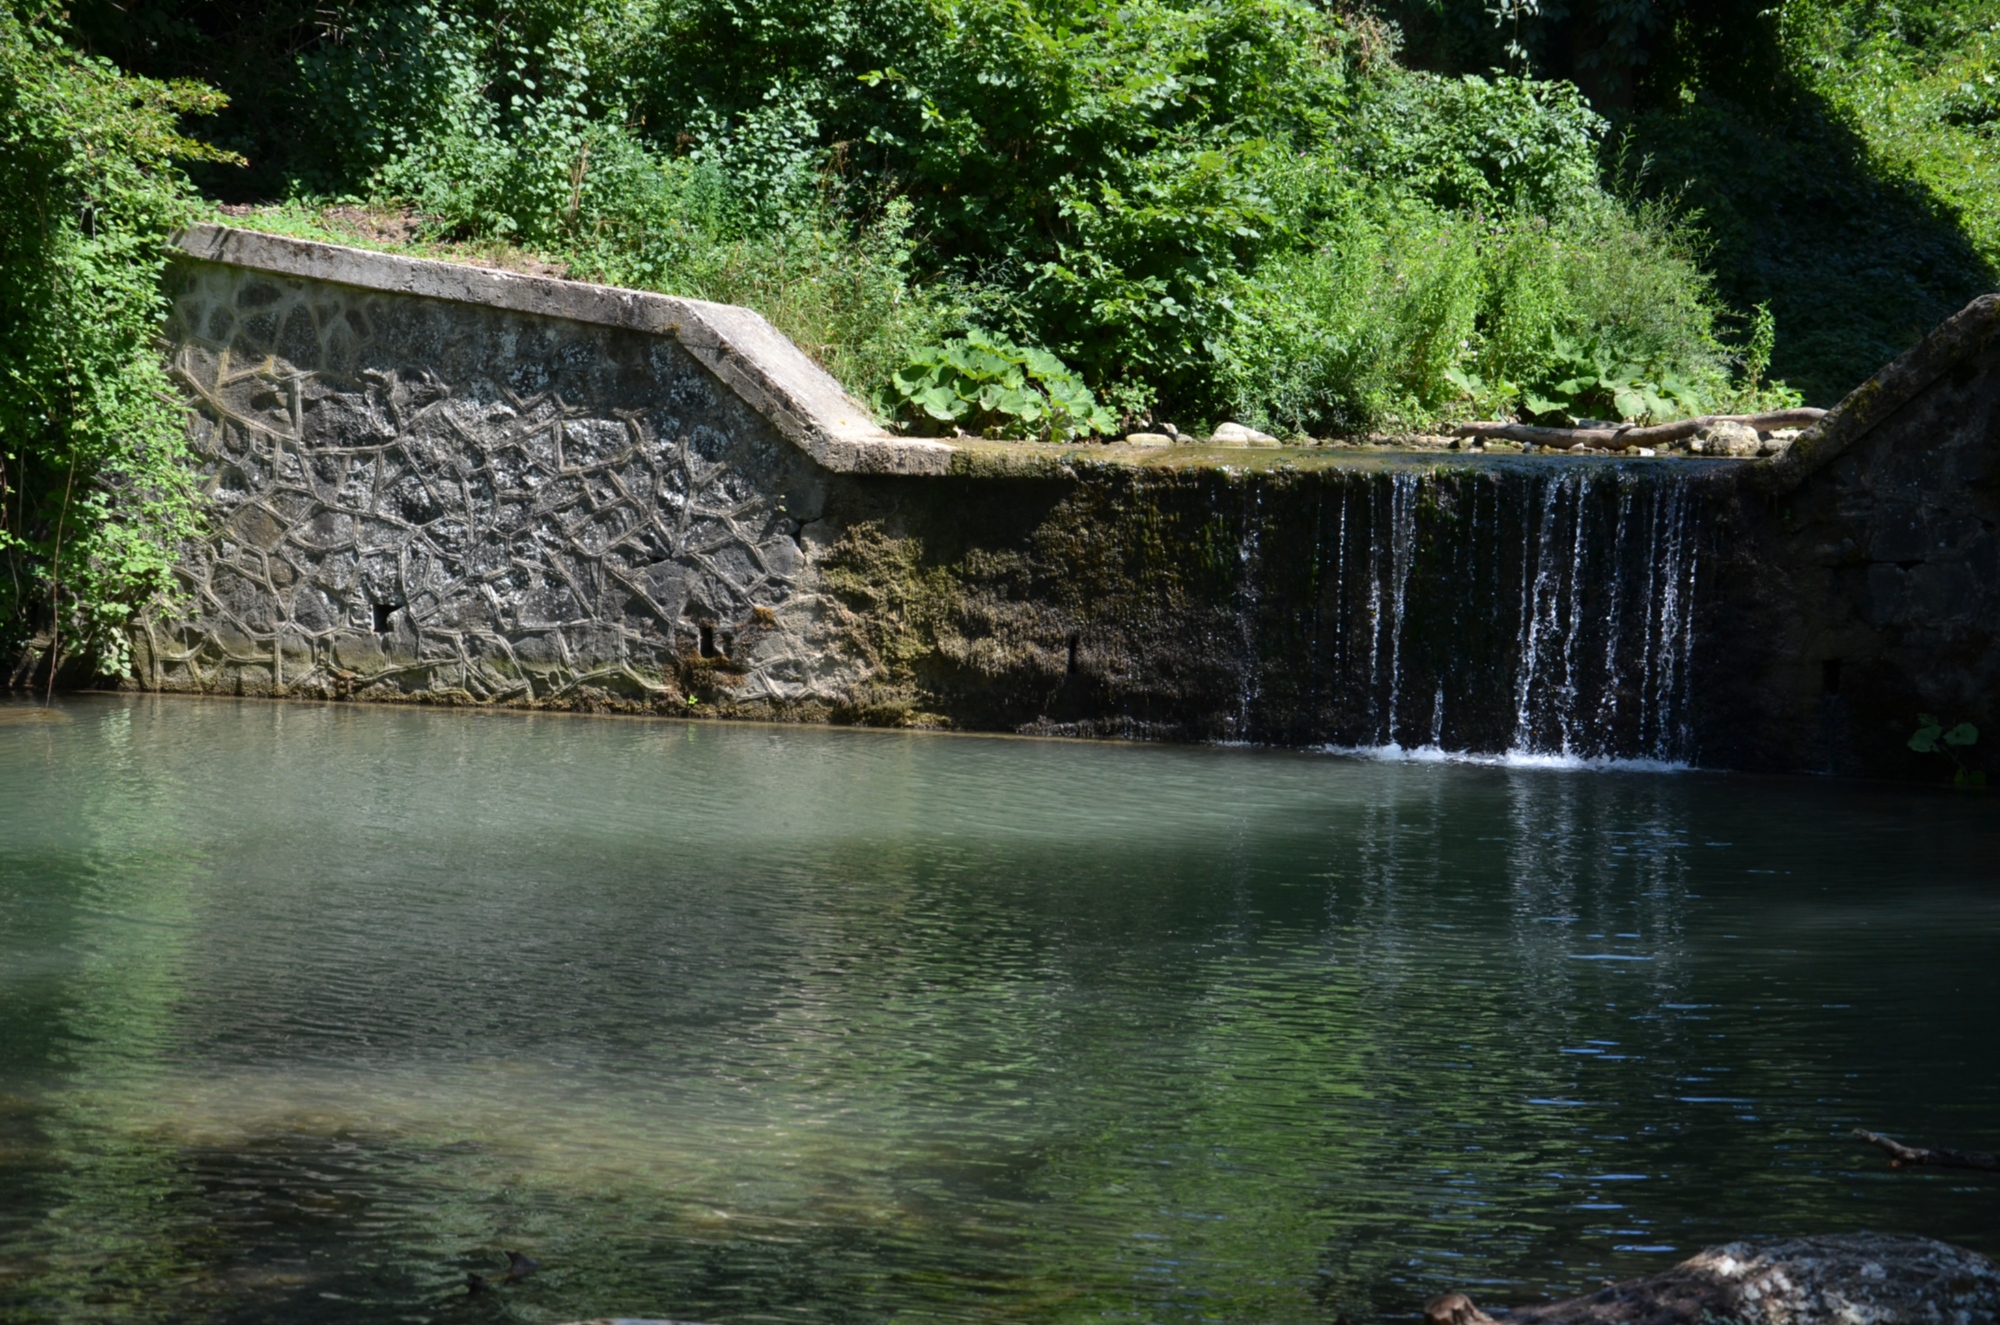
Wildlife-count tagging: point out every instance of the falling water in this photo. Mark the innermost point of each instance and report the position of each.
(1545, 612)
(1250, 590)
(1402, 550)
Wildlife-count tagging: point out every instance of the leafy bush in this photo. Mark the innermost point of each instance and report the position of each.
(845, 293)
(488, 124)
(1493, 145)
(988, 385)
(1406, 315)
(1590, 381)
(1205, 207)
(1098, 162)
(95, 494)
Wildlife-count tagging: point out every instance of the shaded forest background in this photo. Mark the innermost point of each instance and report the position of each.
(1054, 219)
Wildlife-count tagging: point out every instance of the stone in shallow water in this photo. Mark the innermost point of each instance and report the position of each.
(21, 715)
(1838, 1279)
(1735, 439)
(1235, 434)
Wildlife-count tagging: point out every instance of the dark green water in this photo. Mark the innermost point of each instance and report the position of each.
(305, 1012)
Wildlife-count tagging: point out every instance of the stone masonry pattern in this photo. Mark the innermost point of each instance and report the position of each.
(412, 498)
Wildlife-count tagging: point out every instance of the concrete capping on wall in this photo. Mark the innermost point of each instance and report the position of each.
(749, 355)
(1959, 337)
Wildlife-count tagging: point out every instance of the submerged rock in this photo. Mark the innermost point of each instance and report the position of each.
(1838, 1279)
(1777, 442)
(21, 715)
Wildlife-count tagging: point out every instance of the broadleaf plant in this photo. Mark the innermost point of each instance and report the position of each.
(1932, 737)
(990, 386)
(1590, 380)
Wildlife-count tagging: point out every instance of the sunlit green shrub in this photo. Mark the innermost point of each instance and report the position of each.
(1404, 316)
(1203, 207)
(1492, 145)
(986, 384)
(844, 292)
(95, 494)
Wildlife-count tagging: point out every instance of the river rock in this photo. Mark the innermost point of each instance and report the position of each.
(1235, 434)
(1735, 439)
(1148, 439)
(1778, 442)
(1837, 1279)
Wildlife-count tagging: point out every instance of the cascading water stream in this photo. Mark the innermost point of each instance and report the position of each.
(1402, 550)
(1542, 611)
(1251, 592)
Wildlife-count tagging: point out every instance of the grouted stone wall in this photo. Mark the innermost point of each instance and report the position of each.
(426, 497)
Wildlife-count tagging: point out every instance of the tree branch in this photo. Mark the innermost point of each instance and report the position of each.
(1902, 1156)
(1619, 439)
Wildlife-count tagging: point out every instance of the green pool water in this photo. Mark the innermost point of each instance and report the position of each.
(307, 1012)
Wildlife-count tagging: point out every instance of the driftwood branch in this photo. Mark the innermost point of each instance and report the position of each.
(1630, 435)
(1902, 1156)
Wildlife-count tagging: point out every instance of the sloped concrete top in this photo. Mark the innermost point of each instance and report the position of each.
(1956, 341)
(745, 352)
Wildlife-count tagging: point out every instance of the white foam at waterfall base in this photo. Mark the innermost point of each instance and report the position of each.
(1435, 754)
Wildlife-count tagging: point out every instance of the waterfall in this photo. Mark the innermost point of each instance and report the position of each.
(1538, 611)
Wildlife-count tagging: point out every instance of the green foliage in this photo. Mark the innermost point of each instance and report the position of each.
(1931, 737)
(1210, 207)
(846, 293)
(489, 126)
(1594, 383)
(986, 384)
(1125, 185)
(1840, 154)
(1757, 354)
(1920, 84)
(94, 494)
(1406, 315)
(1492, 145)
(1099, 163)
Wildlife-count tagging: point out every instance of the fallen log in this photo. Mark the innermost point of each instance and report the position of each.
(1902, 1156)
(1885, 1279)
(1631, 435)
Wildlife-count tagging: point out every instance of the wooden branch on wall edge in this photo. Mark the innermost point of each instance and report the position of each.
(1631, 435)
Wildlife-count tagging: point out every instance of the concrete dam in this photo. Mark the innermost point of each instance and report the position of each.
(441, 483)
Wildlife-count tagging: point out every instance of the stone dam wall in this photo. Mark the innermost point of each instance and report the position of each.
(432, 482)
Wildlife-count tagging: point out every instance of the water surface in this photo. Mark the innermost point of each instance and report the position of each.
(305, 1012)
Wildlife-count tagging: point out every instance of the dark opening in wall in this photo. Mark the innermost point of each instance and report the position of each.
(1074, 641)
(708, 649)
(382, 614)
(1829, 677)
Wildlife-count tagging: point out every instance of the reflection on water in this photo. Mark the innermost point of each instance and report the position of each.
(305, 1012)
